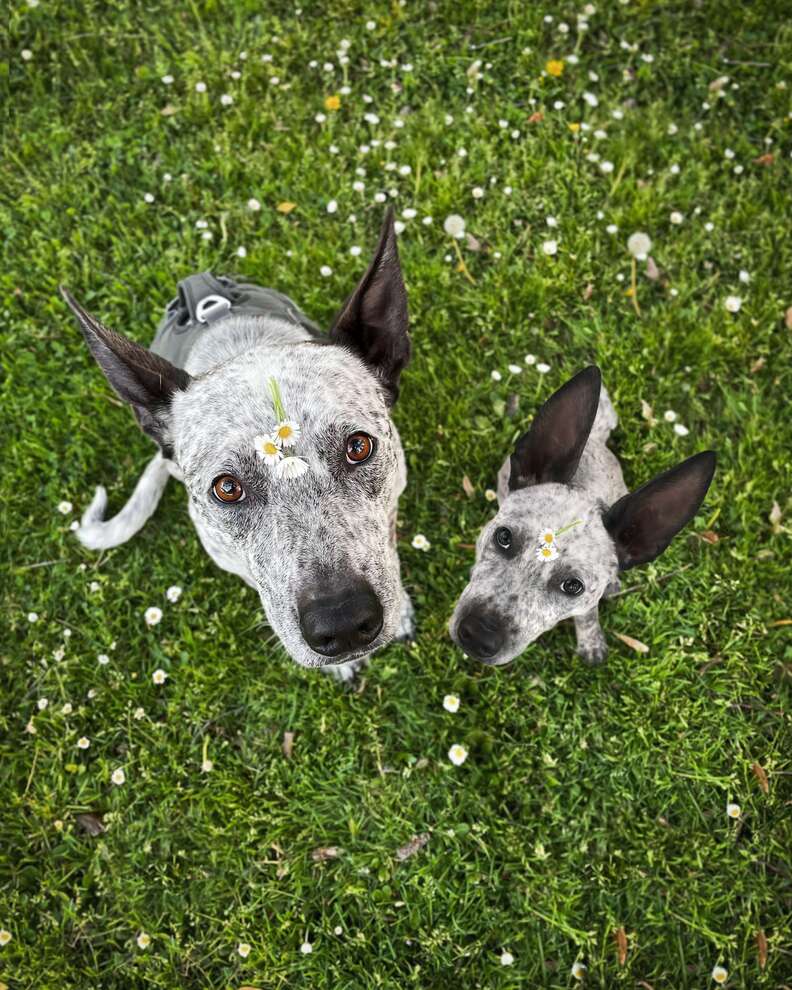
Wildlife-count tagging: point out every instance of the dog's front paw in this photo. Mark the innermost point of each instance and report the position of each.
(406, 631)
(593, 654)
(347, 674)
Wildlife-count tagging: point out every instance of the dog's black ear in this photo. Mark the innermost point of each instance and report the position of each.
(143, 379)
(373, 320)
(644, 522)
(551, 449)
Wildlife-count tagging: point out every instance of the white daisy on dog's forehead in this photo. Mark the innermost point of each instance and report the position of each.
(287, 432)
(546, 553)
(547, 537)
(457, 754)
(291, 467)
(268, 449)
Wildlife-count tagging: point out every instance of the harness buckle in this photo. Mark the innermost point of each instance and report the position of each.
(211, 308)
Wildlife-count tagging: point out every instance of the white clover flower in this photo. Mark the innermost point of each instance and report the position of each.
(226, 99)
(506, 958)
(451, 702)
(669, 416)
(241, 251)
(579, 970)
(253, 204)
(606, 167)
(291, 467)
(542, 368)
(530, 359)
(680, 430)
(495, 375)
(143, 940)
(64, 507)
(454, 225)
(733, 304)
(287, 433)
(103, 659)
(200, 87)
(676, 217)
(148, 197)
(332, 206)
(398, 226)
(420, 542)
(457, 754)
(159, 676)
(639, 245)
(325, 271)
(338, 930)
(490, 495)
(42, 704)
(243, 949)
(550, 248)
(67, 709)
(5, 936)
(515, 369)
(744, 277)
(720, 974)
(32, 617)
(152, 615)
(591, 99)
(83, 742)
(207, 766)
(551, 221)
(26, 54)
(174, 593)
(138, 714)
(268, 449)
(118, 777)
(355, 250)
(477, 192)
(733, 810)
(546, 553)
(306, 948)
(612, 229)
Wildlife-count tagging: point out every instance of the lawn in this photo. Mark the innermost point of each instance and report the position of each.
(262, 805)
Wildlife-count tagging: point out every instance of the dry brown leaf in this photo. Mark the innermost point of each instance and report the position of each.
(248, 987)
(288, 744)
(621, 944)
(286, 207)
(652, 271)
(92, 822)
(761, 775)
(322, 853)
(471, 243)
(416, 843)
(761, 948)
(168, 111)
(788, 318)
(645, 985)
(781, 622)
(709, 536)
(767, 159)
(775, 517)
(717, 84)
(536, 118)
(634, 644)
(648, 413)
(467, 486)
(758, 364)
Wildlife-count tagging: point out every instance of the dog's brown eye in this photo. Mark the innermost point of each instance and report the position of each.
(359, 447)
(226, 488)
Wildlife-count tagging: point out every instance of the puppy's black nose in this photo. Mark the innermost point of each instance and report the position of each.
(480, 635)
(341, 621)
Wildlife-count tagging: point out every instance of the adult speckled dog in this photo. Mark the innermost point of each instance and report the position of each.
(566, 527)
(320, 549)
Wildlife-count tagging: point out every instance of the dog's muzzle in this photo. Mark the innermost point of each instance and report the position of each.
(342, 621)
(480, 634)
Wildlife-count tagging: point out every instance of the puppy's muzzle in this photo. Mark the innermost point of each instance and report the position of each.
(339, 622)
(481, 635)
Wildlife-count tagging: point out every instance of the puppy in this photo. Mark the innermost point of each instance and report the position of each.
(566, 527)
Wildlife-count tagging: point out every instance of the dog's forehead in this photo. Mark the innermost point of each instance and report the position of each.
(321, 385)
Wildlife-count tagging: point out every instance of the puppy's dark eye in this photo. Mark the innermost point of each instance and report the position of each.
(503, 537)
(226, 488)
(359, 447)
(573, 587)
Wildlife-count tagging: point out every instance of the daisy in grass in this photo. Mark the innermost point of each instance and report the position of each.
(5, 936)
(143, 940)
(420, 542)
(457, 754)
(153, 615)
(720, 974)
(579, 970)
(243, 949)
(451, 702)
(118, 777)
(733, 810)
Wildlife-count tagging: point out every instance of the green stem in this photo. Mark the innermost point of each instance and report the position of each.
(277, 402)
(564, 529)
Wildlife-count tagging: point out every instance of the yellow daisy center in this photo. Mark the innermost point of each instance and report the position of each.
(548, 537)
(285, 431)
(547, 552)
(270, 447)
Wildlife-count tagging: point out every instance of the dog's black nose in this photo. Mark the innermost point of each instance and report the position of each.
(341, 621)
(480, 635)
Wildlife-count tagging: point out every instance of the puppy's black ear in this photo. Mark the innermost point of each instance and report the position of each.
(644, 522)
(373, 320)
(551, 449)
(143, 379)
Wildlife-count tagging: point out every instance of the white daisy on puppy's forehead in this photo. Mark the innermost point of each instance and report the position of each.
(546, 552)
(287, 432)
(291, 467)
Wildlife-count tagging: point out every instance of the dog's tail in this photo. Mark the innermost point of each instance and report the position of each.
(96, 533)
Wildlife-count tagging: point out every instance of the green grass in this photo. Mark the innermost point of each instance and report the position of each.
(592, 799)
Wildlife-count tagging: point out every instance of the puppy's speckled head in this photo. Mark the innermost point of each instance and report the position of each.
(553, 547)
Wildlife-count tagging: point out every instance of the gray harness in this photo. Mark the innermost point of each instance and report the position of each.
(204, 299)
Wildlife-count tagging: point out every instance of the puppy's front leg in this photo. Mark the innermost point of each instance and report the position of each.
(591, 645)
